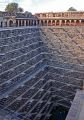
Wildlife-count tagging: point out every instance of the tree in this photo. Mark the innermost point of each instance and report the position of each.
(20, 10)
(28, 14)
(12, 8)
(72, 9)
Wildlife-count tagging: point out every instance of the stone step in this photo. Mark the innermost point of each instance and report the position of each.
(16, 53)
(17, 45)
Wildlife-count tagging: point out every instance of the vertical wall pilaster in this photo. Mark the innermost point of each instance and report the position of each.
(47, 22)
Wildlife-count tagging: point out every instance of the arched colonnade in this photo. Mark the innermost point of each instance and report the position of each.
(61, 22)
(42, 22)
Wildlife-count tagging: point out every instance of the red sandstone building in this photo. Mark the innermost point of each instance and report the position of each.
(69, 18)
(61, 18)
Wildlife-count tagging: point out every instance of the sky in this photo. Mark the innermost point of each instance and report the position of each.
(37, 6)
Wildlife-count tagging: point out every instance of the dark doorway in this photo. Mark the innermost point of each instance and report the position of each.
(10, 23)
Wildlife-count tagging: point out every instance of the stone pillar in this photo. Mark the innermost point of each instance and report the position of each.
(79, 22)
(14, 23)
(55, 22)
(74, 22)
(43, 22)
(0, 23)
(60, 22)
(25, 23)
(51, 22)
(36, 22)
(31, 22)
(7, 23)
(21, 22)
(47, 22)
(3, 24)
(70, 22)
(18, 23)
(65, 22)
(39, 22)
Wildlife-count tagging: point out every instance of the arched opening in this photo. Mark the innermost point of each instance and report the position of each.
(33, 22)
(72, 22)
(19, 22)
(82, 22)
(77, 22)
(16, 23)
(1, 24)
(26, 23)
(53, 23)
(42, 22)
(67, 22)
(45, 22)
(57, 23)
(49, 23)
(22, 22)
(37, 22)
(10, 23)
(29, 22)
(63, 22)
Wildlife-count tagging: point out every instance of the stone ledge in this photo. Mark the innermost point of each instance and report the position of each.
(76, 111)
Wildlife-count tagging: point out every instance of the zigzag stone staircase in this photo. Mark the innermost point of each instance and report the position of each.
(40, 68)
